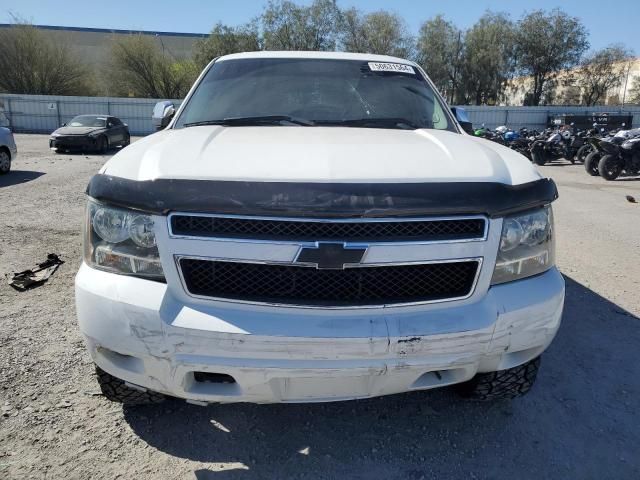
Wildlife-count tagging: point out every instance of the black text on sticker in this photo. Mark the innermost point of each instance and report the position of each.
(391, 67)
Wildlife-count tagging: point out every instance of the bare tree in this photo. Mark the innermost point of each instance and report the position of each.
(288, 26)
(224, 40)
(380, 32)
(601, 71)
(31, 63)
(440, 50)
(140, 67)
(546, 44)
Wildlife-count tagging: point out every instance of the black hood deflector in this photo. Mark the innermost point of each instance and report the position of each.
(326, 200)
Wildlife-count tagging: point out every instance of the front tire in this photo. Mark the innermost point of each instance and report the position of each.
(610, 167)
(116, 390)
(539, 157)
(102, 145)
(5, 162)
(503, 384)
(591, 163)
(583, 151)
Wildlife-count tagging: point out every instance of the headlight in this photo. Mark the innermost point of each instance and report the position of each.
(527, 246)
(121, 241)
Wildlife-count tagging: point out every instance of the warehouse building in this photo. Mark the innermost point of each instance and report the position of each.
(93, 45)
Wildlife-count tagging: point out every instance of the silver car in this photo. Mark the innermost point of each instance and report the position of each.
(8, 150)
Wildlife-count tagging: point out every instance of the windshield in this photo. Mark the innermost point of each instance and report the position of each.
(286, 91)
(87, 121)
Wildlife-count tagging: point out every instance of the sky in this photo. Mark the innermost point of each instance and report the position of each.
(606, 23)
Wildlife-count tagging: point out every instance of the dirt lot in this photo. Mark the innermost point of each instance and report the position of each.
(582, 420)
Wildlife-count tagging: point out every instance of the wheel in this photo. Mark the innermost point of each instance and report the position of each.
(126, 141)
(5, 162)
(583, 151)
(610, 167)
(102, 145)
(503, 384)
(116, 390)
(539, 157)
(591, 163)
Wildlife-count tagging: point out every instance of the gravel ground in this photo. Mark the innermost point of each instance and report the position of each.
(582, 419)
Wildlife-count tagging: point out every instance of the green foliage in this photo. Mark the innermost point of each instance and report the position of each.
(141, 68)
(440, 50)
(381, 32)
(289, 26)
(32, 63)
(224, 40)
(487, 60)
(546, 44)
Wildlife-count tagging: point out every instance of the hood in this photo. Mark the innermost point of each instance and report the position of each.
(319, 154)
(77, 130)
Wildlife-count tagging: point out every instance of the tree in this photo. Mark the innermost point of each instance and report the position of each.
(288, 26)
(601, 71)
(224, 40)
(381, 33)
(31, 63)
(140, 67)
(440, 49)
(487, 60)
(545, 44)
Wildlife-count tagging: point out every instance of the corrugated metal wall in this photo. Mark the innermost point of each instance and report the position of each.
(536, 117)
(45, 113)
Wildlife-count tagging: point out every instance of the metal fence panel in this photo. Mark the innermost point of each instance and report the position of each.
(45, 113)
(537, 117)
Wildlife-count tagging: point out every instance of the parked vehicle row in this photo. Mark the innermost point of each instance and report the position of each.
(609, 154)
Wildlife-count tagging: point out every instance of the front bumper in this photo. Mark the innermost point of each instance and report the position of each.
(72, 143)
(139, 331)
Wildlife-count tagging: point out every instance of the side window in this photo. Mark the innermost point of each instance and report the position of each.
(439, 118)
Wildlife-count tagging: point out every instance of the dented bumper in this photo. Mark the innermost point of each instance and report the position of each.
(141, 332)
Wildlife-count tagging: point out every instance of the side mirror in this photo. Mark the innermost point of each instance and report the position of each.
(463, 119)
(64, 124)
(163, 112)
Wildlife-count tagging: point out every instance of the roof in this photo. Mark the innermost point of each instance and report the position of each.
(369, 57)
(111, 30)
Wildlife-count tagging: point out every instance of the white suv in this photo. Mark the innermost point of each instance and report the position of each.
(314, 227)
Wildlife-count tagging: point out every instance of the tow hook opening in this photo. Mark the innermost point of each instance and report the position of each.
(210, 377)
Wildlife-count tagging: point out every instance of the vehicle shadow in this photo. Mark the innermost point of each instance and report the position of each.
(16, 177)
(580, 421)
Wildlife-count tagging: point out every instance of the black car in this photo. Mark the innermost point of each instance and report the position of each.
(91, 132)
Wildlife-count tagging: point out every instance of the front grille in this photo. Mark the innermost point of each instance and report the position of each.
(299, 285)
(363, 231)
(71, 140)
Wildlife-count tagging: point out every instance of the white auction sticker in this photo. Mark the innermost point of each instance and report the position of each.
(391, 67)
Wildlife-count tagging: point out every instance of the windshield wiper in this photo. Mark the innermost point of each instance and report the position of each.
(373, 122)
(260, 120)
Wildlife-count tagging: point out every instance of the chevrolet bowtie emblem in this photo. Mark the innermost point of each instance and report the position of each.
(330, 256)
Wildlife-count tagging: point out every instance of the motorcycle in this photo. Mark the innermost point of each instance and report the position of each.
(620, 158)
(557, 145)
(518, 141)
(604, 145)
